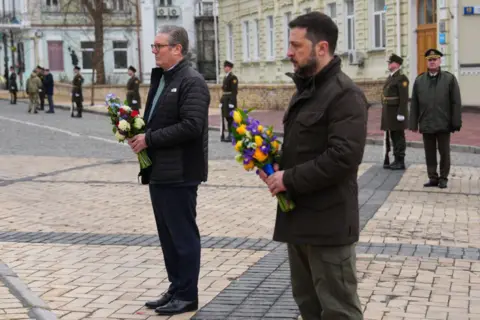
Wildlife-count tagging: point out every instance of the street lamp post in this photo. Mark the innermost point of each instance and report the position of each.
(215, 28)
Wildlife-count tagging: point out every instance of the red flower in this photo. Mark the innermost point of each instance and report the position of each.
(122, 111)
(134, 113)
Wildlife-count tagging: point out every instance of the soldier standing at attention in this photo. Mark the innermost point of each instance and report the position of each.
(436, 112)
(229, 99)
(395, 112)
(133, 86)
(12, 84)
(77, 95)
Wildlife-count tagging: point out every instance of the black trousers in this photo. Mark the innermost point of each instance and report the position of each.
(175, 213)
(399, 143)
(41, 96)
(13, 97)
(430, 142)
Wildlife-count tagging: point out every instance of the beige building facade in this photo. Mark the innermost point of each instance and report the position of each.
(254, 35)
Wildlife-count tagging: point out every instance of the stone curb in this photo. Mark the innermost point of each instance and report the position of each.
(38, 309)
(370, 141)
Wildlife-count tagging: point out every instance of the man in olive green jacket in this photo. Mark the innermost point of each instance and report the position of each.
(34, 84)
(435, 111)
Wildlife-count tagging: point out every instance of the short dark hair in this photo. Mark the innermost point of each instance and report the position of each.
(176, 35)
(320, 27)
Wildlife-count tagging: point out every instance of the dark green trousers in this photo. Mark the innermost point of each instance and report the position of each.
(324, 282)
(430, 143)
(399, 143)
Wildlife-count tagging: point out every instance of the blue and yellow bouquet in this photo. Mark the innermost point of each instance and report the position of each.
(257, 147)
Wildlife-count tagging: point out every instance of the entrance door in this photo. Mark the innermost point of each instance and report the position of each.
(426, 31)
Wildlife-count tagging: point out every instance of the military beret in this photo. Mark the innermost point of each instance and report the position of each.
(433, 53)
(395, 58)
(132, 68)
(228, 64)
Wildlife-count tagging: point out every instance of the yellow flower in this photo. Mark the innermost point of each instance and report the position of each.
(260, 128)
(242, 129)
(258, 140)
(269, 133)
(237, 117)
(249, 166)
(259, 155)
(238, 145)
(275, 145)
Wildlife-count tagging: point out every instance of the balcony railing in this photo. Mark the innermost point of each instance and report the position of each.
(13, 19)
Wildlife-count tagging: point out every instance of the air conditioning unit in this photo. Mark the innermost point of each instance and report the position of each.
(173, 12)
(356, 58)
(162, 12)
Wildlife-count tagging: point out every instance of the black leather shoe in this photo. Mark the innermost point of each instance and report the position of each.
(160, 302)
(176, 306)
(442, 184)
(431, 183)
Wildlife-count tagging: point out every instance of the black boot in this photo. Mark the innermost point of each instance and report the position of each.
(431, 183)
(398, 164)
(442, 183)
(386, 162)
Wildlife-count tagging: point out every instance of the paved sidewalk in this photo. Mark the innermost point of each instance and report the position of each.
(10, 307)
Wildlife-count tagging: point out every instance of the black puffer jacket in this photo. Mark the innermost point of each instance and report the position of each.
(177, 133)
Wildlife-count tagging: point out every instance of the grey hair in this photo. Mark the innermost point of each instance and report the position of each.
(176, 35)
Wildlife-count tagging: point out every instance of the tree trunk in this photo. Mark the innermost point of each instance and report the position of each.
(98, 61)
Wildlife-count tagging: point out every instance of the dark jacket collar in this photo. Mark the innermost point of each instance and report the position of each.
(158, 72)
(313, 82)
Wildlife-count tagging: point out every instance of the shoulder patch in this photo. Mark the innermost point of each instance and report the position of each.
(405, 83)
(234, 80)
(137, 82)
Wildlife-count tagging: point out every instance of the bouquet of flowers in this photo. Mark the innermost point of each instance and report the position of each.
(126, 124)
(257, 147)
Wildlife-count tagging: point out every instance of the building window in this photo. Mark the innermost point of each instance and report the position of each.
(270, 39)
(350, 24)
(379, 38)
(120, 60)
(52, 2)
(165, 3)
(307, 10)
(229, 42)
(55, 55)
(286, 30)
(332, 10)
(246, 41)
(256, 42)
(118, 5)
(87, 54)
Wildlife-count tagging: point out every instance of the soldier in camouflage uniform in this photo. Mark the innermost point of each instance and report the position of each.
(228, 100)
(77, 94)
(41, 91)
(395, 112)
(34, 84)
(133, 87)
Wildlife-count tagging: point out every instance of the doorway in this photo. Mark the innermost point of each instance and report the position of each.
(426, 31)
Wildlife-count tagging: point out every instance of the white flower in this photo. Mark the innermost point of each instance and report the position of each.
(138, 123)
(119, 136)
(124, 125)
(127, 109)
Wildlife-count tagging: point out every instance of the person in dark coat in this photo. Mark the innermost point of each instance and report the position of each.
(325, 129)
(13, 87)
(133, 90)
(77, 92)
(176, 140)
(395, 112)
(436, 112)
(228, 100)
(49, 84)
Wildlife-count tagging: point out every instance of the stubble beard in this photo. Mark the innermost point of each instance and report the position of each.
(308, 69)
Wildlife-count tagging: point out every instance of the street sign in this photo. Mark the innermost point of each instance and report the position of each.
(442, 39)
(471, 10)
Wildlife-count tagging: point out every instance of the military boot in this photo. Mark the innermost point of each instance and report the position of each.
(398, 164)
(442, 183)
(431, 183)
(386, 162)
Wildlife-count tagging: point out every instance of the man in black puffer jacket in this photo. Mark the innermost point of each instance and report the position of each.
(176, 140)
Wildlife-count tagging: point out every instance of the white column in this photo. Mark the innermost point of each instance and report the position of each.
(147, 38)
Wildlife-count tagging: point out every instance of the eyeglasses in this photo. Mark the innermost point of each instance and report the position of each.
(158, 46)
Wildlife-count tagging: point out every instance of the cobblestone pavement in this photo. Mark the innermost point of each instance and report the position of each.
(10, 307)
(79, 232)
